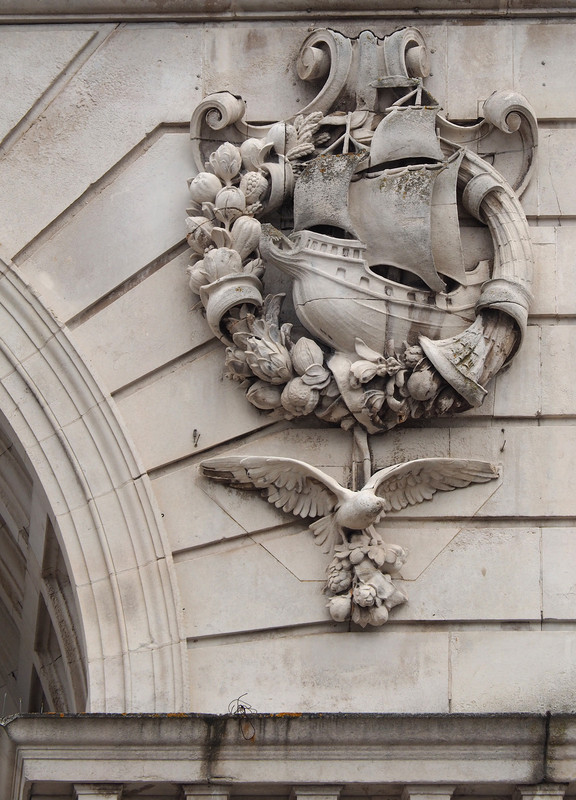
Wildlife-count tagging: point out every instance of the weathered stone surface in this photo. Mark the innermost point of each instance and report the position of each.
(30, 62)
(293, 673)
(523, 670)
(80, 263)
(167, 409)
(123, 343)
(133, 83)
(558, 571)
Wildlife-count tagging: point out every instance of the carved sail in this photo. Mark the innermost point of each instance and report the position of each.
(407, 215)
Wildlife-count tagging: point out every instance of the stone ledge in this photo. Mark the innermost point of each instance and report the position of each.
(20, 11)
(281, 750)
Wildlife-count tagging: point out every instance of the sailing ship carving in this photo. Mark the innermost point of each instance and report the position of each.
(375, 256)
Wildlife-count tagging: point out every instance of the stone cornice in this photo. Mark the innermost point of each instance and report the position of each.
(378, 749)
(34, 11)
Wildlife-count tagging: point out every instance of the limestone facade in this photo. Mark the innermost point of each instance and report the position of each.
(134, 588)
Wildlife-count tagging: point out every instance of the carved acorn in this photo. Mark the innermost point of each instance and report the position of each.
(245, 235)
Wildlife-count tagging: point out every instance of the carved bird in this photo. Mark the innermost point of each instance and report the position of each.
(306, 491)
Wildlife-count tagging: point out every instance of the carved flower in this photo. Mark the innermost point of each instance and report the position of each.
(265, 396)
(340, 607)
(226, 162)
(230, 204)
(236, 364)
(199, 234)
(370, 365)
(221, 262)
(268, 360)
(364, 595)
(298, 398)
(204, 187)
(413, 355)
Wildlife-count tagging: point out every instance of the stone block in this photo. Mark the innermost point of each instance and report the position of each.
(558, 385)
(138, 79)
(82, 261)
(477, 575)
(545, 286)
(241, 586)
(552, 191)
(518, 390)
(30, 61)
(345, 672)
(239, 56)
(566, 270)
(559, 573)
(163, 414)
(485, 53)
(543, 56)
(520, 671)
(148, 326)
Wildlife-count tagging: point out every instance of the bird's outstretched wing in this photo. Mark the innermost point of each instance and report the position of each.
(415, 481)
(289, 484)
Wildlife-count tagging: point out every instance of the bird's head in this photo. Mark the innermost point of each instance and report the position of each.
(363, 510)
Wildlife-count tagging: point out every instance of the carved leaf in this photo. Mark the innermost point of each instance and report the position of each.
(415, 481)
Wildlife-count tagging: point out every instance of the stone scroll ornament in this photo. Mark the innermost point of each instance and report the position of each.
(359, 200)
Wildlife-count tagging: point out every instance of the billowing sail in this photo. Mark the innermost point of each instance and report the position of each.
(321, 191)
(391, 212)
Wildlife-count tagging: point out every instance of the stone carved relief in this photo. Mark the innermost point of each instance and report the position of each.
(358, 199)
(360, 584)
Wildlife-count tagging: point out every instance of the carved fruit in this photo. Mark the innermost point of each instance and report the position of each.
(229, 204)
(265, 396)
(221, 262)
(226, 161)
(339, 608)
(378, 615)
(304, 354)
(299, 399)
(245, 235)
(254, 152)
(198, 277)
(199, 234)
(424, 384)
(253, 185)
(204, 187)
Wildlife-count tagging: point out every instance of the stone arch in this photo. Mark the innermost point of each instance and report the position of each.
(100, 507)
